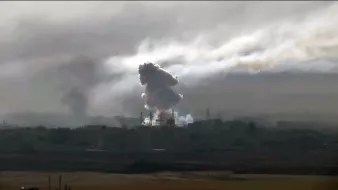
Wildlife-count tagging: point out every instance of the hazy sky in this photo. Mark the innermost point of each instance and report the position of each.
(43, 46)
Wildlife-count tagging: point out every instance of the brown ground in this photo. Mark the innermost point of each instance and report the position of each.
(168, 181)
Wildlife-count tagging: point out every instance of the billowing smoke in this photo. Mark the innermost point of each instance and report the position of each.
(159, 95)
(158, 82)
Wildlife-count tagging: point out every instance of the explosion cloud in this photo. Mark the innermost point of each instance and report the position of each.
(159, 95)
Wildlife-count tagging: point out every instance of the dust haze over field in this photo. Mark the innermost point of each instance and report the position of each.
(200, 42)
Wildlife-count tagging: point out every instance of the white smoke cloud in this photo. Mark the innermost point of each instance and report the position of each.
(179, 120)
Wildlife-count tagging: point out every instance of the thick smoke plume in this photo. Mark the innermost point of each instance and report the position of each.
(159, 95)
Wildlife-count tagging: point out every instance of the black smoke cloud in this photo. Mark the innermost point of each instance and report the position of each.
(158, 83)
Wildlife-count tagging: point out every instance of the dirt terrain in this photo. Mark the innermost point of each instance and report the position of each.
(167, 181)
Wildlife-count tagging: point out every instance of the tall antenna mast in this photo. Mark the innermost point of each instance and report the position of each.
(141, 118)
(150, 118)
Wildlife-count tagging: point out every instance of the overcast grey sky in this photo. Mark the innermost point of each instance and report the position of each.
(40, 40)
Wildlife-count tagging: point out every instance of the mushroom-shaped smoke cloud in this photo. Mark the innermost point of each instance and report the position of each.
(159, 95)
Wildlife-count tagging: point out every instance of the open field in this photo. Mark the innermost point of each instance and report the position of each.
(168, 181)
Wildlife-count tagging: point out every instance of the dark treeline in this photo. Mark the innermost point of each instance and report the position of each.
(210, 144)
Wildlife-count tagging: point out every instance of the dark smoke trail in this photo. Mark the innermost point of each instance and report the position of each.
(77, 102)
(80, 75)
(159, 95)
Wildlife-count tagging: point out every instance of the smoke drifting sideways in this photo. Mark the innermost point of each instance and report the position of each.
(302, 45)
(159, 95)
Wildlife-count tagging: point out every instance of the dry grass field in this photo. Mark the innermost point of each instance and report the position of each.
(168, 181)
